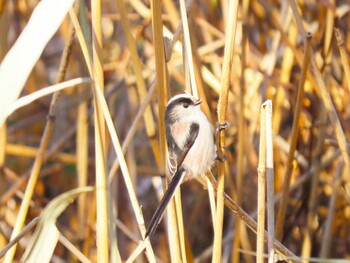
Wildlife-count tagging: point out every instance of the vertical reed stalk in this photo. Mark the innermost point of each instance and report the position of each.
(140, 81)
(270, 183)
(188, 49)
(222, 109)
(344, 56)
(241, 146)
(312, 203)
(100, 139)
(180, 225)
(161, 80)
(295, 128)
(327, 233)
(261, 187)
(125, 171)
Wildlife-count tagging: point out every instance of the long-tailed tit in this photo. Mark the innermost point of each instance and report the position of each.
(191, 148)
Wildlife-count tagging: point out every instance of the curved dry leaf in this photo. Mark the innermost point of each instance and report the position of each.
(46, 234)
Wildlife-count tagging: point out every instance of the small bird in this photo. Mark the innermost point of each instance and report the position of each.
(191, 147)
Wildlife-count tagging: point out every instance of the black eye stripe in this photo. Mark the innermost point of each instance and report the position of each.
(182, 101)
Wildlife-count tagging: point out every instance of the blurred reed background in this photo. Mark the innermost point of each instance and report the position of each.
(234, 55)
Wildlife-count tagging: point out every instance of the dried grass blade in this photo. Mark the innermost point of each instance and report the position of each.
(23, 101)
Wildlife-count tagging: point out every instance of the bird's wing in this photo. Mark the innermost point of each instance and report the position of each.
(177, 178)
(191, 138)
(171, 164)
(176, 155)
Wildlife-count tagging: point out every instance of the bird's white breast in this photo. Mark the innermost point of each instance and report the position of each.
(201, 156)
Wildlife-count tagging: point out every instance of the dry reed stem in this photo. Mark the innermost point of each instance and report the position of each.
(328, 33)
(261, 32)
(161, 81)
(100, 141)
(20, 235)
(141, 8)
(162, 86)
(27, 151)
(141, 85)
(40, 154)
(188, 62)
(253, 226)
(293, 144)
(222, 109)
(173, 232)
(270, 182)
(75, 251)
(138, 250)
(180, 223)
(4, 29)
(81, 152)
(32, 180)
(321, 87)
(260, 241)
(82, 164)
(17, 185)
(115, 140)
(327, 237)
(83, 38)
(188, 50)
(201, 89)
(212, 203)
(301, 180)
(325, 162)
(112, 231)
(251, 223)
(145, 103)
(209, 34)
(287, 64)
(132, 130)
(170, 8)
(3, 143)
(125, 173)
(344, 56)
(312, 203)
(241, 147)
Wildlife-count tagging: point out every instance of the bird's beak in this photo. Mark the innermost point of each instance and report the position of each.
(198, 102)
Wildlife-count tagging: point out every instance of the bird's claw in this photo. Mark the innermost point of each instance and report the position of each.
(221, 159)
(223, 126)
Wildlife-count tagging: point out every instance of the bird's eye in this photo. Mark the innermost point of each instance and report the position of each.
(185, 105)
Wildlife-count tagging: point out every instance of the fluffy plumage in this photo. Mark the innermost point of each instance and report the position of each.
(183, 111)
(191, 148)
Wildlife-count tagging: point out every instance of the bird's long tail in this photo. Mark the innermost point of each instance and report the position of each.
(168, 195)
